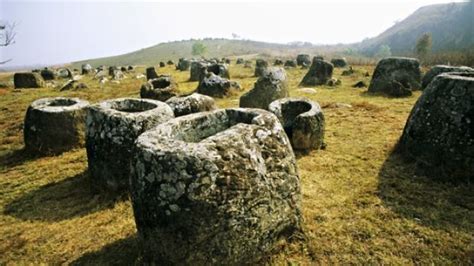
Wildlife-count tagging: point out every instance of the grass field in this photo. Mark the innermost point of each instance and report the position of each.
(361, 203)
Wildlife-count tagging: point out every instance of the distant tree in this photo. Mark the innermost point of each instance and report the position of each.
(199, 48)
(384, 51)
(423, 46)
(7, 36)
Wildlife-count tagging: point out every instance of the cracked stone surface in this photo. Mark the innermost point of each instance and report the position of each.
(218, 187)
(271, 86)
(303, 121)
(216, 86)
(54, 125)
(439, 133)
(111, 129)
(160, 88)
(190, 104)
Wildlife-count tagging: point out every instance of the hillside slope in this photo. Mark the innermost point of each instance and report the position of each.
(451, 26)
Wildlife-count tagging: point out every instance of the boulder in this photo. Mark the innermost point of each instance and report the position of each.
(130, 68)
(183, 64)
(248, 64)
(359, 84)
(303, 121)
(124, 69)
(271, 86)
(86, 69)
(303, 59)
(48, 74)
(81, 86)
(65, 73)
(28, 80)
(339, 62)
(198, 70)
(278, 62)
(438, 69)
(111, 129)
(161, 88)
(101, 74)
(348, 72)
(112, 70)
(170, 62)
(394, 72)
(290, 63)
(151, 73)
(239, 61)
(54, 125)
(439, 133)
(319, 73)
(190, 104)
(221, 70)
(68, 85)
(216, 86)
(218, 187)
(162, 64)
(334, 82)
(260, 67)
(118, 75)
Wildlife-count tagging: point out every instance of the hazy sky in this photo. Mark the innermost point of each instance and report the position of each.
(50, 32)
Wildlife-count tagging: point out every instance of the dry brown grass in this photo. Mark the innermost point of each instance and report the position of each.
(361, 204)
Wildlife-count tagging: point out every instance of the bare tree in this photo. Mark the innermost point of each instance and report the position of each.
(7, 36)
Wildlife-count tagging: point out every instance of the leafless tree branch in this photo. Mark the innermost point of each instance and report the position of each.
(8, 34)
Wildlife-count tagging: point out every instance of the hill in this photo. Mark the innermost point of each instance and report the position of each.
(451, 26)
(215, 48)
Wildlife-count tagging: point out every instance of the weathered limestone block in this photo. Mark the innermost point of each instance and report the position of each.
(439, 133)
(339, 62)
(193, 103)
(161, 88)
(197, 70)
(396, 76)
(86, 69)
(54, 125)
(303, 121)
(151, 73)
(183, 64)
(217, 187)
(303, 59)
(271, 86)
(111, 129)
(260, 67)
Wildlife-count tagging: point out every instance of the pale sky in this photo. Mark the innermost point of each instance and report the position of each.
(51, 32)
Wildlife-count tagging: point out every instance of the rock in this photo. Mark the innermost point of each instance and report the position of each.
(303, 59)
(260, 67)
(221, 70)
(151, 73)
(303, 121)
(227, 177)
(48, 74)
(248, 64)
(438, 69)
(348, 72)
(304, 66)
(190, 104)
(81, 86)
(86, 69)
(278, 62)
(239, 61)
(101, 74)
(118, 75)
(339, 62)
(271, 86)
(290, 63)
(170, 62)
(54, 125)
(367, 74)
(396, 76)
(111, 129)
(124, 69)
(112, 70)
(319, 73)
(65, 73)
(162, 64)
(216, 86)
(359, 84)
(439, 133)
(161, 88)
(183, 64)
(334, 82)
(130, 68)
(28, 80)
(198, 70)
(307, 90)
(318, 57)
(140, 76)
(68, 85)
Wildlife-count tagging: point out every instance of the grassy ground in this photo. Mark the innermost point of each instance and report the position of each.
(361, 204)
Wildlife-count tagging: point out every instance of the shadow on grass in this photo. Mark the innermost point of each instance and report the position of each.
(16, 157)
(367, 94)
(61, 200)
(440, 205)
(121, 252)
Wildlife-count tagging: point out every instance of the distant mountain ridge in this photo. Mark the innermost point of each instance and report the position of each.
(451, 26)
